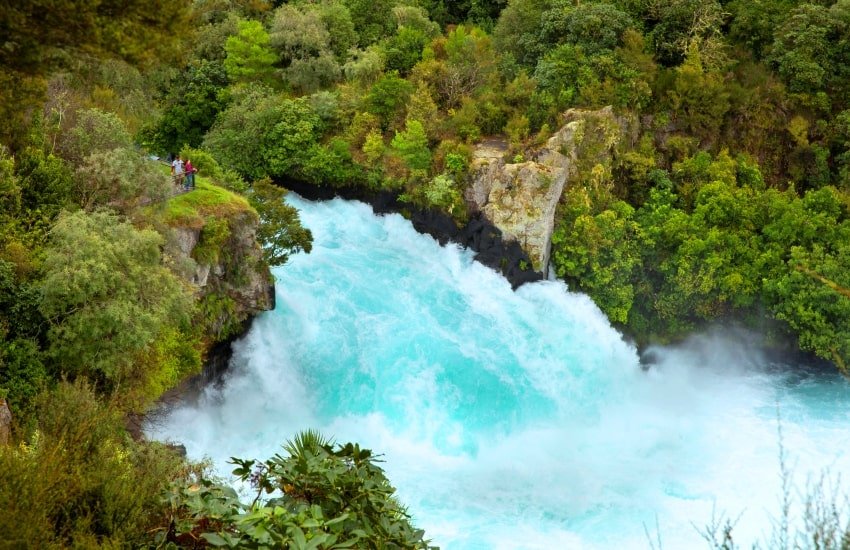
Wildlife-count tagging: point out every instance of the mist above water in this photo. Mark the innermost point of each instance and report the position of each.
(512, 420)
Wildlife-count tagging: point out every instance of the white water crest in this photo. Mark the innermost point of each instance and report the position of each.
(510, 420)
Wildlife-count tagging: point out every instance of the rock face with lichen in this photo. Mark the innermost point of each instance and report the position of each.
(224, 261)
(520, 197)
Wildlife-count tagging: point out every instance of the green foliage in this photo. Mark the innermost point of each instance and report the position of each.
(217, 315)
(599, 251)
(332, 496)
(263, 134)
(470, 64)
(373, 147)
(483, 13)
(674, 26)
(10, 189)
(595, 27)
(106, 295)
(94, 132)
(807, 53)
(194, 101)
(249, 56)
(214, 235)
(23, 375)
(304, 43)
(412, 146)
(19, 297)
(404, 49)
(42, 36)
(203, 162)
(45, 180)
(280, 232)
(699, 98)
(387, 98)
(443, 193)
(516, 32)
(754, 23)
(119, 178)
(371, 19)
(365, 66)
(331, 164)
(80, 482)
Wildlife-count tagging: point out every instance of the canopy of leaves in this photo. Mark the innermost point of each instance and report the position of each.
(106, 295)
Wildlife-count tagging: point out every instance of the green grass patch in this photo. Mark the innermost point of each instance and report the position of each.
(207, 199)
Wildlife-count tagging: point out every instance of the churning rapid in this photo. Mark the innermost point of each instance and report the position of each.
(511, 420)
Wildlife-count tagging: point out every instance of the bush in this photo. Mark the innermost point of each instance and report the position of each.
(329, 495)
(80, 482)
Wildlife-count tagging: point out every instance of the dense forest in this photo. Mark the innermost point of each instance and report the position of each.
(729, 201)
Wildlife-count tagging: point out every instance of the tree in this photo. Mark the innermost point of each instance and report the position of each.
(249, 57)
(598, 252)
(404, 49)
(699, 97)
(366, 65)
(262, 134)
(304, 44)
(10, 190)
(594, 27)
(673, 26)
(94, 132)
(119, 178)
(45, 180)
(40, 36)
(388, 97)
(82, 482)
(754, 23)
(412, 146)
(808, 51)
(106, 295)
(192, 105)
(334, 496)
(281, 233)
(517, 31)
(470, 64)
(371, 19)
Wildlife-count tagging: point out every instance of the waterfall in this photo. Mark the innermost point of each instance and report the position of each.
(512, 420)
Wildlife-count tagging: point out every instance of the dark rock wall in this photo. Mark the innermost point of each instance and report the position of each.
(478, 234)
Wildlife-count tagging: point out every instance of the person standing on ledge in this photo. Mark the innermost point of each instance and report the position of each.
(177, 171)
(190, 175)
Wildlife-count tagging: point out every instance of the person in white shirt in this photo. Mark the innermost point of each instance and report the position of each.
(177, 172)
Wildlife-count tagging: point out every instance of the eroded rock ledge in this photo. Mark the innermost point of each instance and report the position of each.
(520, 198)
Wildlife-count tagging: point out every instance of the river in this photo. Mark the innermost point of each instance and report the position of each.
(513, 419)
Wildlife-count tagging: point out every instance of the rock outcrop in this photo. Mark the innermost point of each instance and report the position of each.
(520, 198)
(225, 262)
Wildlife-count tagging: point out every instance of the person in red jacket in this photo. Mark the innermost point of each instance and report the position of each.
(189, 182)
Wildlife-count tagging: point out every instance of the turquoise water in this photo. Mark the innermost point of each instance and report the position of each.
(515, 420)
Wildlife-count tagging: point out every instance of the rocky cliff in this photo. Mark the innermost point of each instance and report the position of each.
(227, 268)
(212, 241)
(520, 198)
